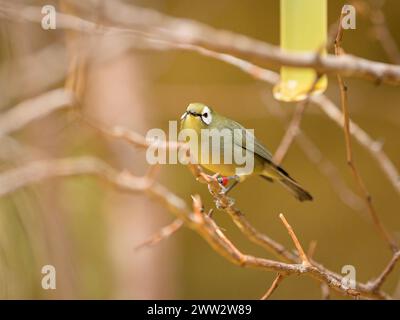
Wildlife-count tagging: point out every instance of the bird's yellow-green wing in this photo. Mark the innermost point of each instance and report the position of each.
(245, 139)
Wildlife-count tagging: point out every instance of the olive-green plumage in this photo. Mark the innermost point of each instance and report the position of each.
(198, 116)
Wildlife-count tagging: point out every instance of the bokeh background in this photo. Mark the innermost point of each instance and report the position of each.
(89, 230)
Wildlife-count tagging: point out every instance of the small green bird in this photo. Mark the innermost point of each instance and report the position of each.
(198, 116)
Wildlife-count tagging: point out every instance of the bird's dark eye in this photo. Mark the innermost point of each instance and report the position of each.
(205, 115)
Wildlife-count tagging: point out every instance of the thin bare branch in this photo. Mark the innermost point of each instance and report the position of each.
(311, 249)
(372, 146)
(294, 127)
(378, 282)
(162, 234)
(273, 287)
(197, 220)
(291, 132)
(325, 166)
(34, 109)
(66, 21)
(349, 153)
(225, 203)
(249, 231)
(303, 256)
(375, 148)
(184, 31)
(38, 171)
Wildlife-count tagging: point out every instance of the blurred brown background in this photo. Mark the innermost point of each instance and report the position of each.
(88, 230)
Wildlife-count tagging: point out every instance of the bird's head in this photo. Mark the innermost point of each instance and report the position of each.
(198, 115)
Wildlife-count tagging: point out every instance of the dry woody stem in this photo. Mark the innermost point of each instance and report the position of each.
(273, 287)
(303, 256)
(148, 29)
(349, 152)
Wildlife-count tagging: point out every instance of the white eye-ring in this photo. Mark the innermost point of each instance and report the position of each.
(206, 115)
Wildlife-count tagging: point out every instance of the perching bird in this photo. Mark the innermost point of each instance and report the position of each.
(198, 116)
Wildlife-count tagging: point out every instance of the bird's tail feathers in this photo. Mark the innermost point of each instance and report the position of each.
(276, 173)
(296, 189)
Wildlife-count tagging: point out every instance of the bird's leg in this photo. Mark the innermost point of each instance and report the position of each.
(224, 182)
(231, 187)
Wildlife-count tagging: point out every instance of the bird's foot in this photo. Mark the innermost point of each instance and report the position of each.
(224, 203)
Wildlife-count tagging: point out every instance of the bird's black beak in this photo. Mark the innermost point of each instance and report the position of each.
(194, 114)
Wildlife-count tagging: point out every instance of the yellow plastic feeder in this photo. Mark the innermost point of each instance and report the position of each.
(303, 29)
